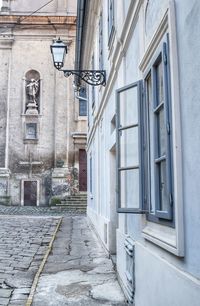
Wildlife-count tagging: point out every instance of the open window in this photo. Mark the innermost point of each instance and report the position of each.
(129, 141)
(144, 144)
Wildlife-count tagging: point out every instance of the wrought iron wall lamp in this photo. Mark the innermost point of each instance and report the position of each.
(91, 77)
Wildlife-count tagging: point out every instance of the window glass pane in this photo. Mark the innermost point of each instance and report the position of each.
(101, 41)
(149, 89)
(93, 89)
(161, 133)
(31, 130)
(110, 16)
(164, 203)
(129, 147)
(129, 188)
(128, 105)
(150, 136)
(159, 83)
(90, 174)
(152, 187)
(82, 108)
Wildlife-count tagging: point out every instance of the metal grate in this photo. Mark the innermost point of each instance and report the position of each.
(130, 260)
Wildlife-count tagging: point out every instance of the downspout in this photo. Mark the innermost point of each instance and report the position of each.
(81, 5)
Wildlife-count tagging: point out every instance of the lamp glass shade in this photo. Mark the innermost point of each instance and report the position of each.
(58, 50)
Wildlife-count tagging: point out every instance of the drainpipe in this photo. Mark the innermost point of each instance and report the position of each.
(79, 31)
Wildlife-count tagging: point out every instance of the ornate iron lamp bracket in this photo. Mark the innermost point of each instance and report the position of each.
(91, 77)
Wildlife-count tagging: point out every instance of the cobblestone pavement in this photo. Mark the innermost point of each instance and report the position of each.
(77, 271)
(36, 211)
(23, 243)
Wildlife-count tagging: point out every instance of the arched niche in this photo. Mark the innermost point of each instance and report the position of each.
(32, 92)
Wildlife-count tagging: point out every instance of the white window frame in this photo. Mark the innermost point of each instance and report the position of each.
(171, 239)
(123, 169)
(154, 159)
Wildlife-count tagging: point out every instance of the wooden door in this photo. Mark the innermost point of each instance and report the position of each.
(30, 193)
(82, 170)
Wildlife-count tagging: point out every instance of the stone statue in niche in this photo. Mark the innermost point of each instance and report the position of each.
(32, 89)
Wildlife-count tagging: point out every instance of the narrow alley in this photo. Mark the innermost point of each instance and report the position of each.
(99, 153)
(54, 260)
(77, 272)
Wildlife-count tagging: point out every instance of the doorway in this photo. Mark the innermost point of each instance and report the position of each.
(82, 170)
(30, 193)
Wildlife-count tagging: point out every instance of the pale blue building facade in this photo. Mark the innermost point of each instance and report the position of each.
(143, 144)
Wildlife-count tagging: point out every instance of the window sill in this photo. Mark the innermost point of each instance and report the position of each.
(82, 118)
(163, 236)
(31, 141)
(28, 115)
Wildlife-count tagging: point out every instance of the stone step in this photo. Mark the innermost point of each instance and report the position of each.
(72, 204)
(76, 197)
(75, 202)
(71, 207)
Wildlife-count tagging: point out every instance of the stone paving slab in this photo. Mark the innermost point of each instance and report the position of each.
(23, 243)
(78, 271)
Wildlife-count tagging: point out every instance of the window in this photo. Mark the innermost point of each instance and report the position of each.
(101, 42)
(91, 175)
(159, 193)
(83, 102)
(82, 107)
(110, 20)
(144, 145)
(93, 89)
(31, 130)
(128, 148)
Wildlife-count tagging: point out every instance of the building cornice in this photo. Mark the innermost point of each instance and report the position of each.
(86, 12)
(81, 4)
(37, 20)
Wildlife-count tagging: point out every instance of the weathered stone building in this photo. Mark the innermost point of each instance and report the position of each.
(42, 136)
